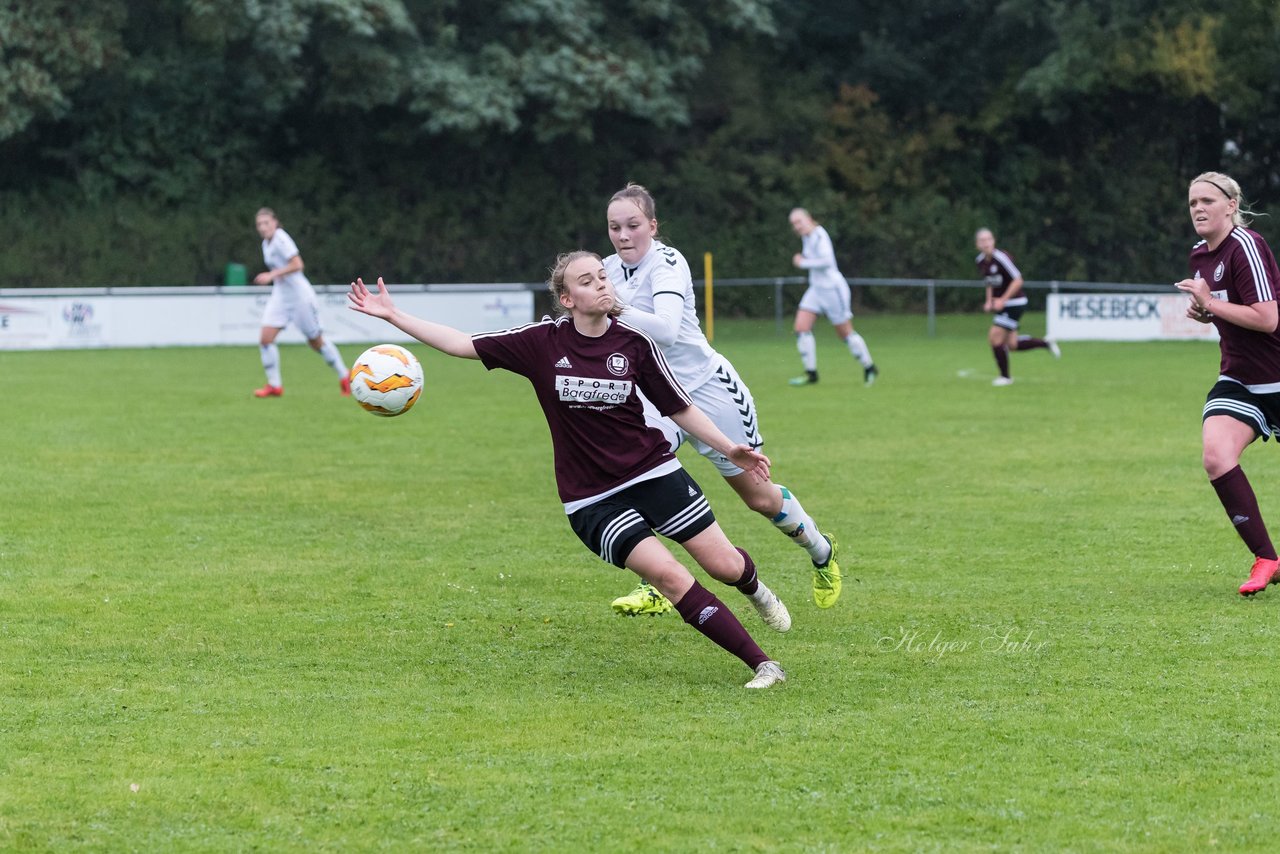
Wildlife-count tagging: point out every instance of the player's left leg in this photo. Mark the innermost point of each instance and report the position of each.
(1225, 437)
(733, 566)
(329, 352)
(998, 337)
(309, 322)
(858, 349)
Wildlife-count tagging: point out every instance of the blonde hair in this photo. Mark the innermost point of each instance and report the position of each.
(1242, 215)
(557, 287)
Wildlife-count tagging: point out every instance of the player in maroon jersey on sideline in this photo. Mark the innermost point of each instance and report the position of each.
(1232, 285)
(1006, 299)
(617, 477)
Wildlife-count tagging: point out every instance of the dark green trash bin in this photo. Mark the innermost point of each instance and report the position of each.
(236, 275)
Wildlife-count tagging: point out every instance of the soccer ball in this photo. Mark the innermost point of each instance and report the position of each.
(386, 380)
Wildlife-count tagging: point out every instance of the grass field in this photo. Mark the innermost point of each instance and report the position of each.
(232, 624)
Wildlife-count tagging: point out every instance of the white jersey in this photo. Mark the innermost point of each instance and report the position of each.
(658, 293)
(819, 258)
(278, 252)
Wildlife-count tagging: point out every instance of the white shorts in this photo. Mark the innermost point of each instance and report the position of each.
(833, 302)
(305, 314)
(727, 401)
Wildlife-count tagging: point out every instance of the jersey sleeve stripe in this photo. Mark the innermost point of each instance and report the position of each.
(1262, 284)
(1007, 262)
(677, 293)
(498, 333)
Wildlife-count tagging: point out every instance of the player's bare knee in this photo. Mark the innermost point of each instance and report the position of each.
(1218, 461)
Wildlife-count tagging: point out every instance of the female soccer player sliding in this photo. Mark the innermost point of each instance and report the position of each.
(618, 479)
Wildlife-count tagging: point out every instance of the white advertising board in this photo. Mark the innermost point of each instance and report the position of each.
(1123, 317)
(174, 319)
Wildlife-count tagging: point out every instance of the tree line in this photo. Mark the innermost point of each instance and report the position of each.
(437, 140)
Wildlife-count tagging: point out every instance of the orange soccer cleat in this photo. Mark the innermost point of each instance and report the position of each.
(269, 391)
(1264, 573)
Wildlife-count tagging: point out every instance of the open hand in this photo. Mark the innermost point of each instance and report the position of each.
(376, 304)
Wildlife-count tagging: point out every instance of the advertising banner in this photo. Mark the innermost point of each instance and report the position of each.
(1123, 317)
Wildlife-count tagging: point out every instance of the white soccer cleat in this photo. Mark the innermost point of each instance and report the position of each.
(1054, 348)
(772, 611)
(768, 674)
(1002, 381)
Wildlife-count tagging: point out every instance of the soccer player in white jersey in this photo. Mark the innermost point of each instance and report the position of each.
(655, 288)
(618, 477)
(828, 293)
(292, 300)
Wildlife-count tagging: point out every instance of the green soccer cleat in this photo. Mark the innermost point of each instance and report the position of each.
(643, 600)
(826, 579)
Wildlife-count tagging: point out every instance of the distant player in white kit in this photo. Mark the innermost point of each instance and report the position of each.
(828, 294)
(293, 300)
(654, 285)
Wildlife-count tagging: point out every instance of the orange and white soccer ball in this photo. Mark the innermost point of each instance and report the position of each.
(386, 380)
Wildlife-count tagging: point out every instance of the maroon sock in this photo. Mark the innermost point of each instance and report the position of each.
(1241, 505)
(749, 583)
(709, 615)
(1002, 359)
(1026, 342)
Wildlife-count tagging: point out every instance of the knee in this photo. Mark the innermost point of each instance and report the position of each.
(1218, 461)
(767, 503)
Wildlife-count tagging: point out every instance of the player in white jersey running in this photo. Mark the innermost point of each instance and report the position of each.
(655, 287)
(828, 293)
(292, 300)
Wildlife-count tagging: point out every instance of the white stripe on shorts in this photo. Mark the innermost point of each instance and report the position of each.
(684, 518)
(615, 529)
(1226, 406)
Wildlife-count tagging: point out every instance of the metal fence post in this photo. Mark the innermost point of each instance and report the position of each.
(933, 308)
(777, 306)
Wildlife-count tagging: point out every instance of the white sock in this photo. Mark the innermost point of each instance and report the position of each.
(808, 350)
(329, 351)
(800, 527)
(271, 363)
(762, 593)
(858, 348)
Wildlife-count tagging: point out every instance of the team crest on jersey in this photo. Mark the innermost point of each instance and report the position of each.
(1218, 271)
(993, 269)
(617, 364)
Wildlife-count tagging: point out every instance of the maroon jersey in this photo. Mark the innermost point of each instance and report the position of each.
(1243, 271)
(587, 390)
(998, 272)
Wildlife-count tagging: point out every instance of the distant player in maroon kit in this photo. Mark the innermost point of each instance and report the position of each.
(1006, 299)
(617, 477)
(1232, 286)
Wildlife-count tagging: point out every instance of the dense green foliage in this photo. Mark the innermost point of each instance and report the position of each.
(295, 627)
(435, 140)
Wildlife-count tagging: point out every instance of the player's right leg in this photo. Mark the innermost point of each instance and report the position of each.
(806, 314)
(645, 600)
(270, 355)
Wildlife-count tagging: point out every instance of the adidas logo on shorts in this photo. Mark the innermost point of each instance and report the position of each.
(692, 492)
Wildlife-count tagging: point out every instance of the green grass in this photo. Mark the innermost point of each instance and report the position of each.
(293, 626)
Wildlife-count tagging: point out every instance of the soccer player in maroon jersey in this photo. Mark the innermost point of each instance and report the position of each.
(617, 477)
(1232, 286)
(1006, 299)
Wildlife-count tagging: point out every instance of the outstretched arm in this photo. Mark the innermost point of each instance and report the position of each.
(695, 422)
(446, 339)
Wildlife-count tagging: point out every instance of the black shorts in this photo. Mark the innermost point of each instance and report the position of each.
(672, 505)
(1008, 319)
(1259, 411)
